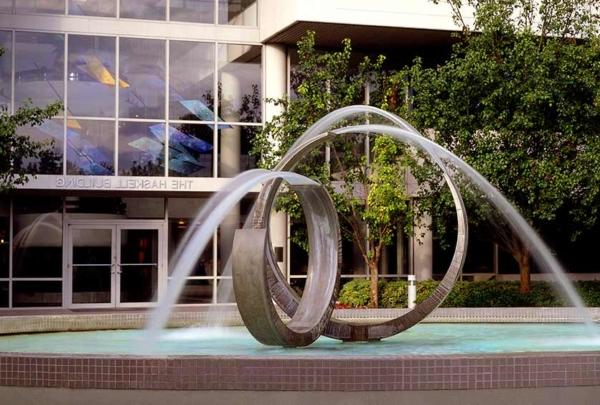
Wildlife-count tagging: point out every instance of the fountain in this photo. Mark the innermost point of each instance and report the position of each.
(257, 280)
(316, 350)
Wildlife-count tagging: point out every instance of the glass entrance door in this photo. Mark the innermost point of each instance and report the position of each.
(92, 265)
(113, 265)
(138, 265)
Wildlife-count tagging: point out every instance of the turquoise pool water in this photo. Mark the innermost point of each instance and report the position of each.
(423, 339)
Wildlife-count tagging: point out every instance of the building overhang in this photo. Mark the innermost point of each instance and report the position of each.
(374, 23)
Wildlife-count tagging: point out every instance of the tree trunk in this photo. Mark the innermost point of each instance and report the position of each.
(524, 261)
(374, 291)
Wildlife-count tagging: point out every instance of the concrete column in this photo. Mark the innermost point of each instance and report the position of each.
(422, 246)
(275, 68)
(400, 252)
(229, 163)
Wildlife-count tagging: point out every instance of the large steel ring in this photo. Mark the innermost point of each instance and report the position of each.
(285, 296)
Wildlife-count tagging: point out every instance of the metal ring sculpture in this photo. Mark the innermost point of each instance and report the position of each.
(257, 280)
(261, 263)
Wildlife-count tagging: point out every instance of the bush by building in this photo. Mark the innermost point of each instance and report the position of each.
(393, 294)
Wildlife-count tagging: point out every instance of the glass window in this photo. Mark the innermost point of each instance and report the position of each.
(41, 6)
(50, 133)
(37, 294)
(240, 83)
(6, 6)
(142, 68)
(115, 208)
(238, 12)
(225, 291)
(39, 67)
(234, 220)
(143, 9)
(91, 76)
(4, 294)
(5, 70)
(37, 237)
(101, 8)
(91, 147)
(235, 143)
(198, 11)
(141, 149)
(191, 72)
(196, 292)
(182, 212)
(190, 150)
(4, 236)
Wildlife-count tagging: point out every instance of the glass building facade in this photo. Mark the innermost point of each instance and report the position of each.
(162, 99)
(157, 107)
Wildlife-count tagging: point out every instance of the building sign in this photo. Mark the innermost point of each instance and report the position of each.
(120, 183)
(123, 183)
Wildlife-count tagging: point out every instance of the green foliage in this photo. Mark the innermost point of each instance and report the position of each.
(16, 148)
(519, 100)
(474, 294)
(368, 191)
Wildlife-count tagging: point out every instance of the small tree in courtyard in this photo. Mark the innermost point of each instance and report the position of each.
(367, 188)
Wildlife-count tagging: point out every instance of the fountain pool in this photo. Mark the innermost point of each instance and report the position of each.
(423, 339)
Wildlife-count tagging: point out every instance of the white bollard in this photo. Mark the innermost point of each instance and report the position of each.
(412, 291)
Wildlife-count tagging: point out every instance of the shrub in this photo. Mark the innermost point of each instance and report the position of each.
(393, 294)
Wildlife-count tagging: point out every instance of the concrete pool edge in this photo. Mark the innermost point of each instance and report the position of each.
(48, 321)
(361, 373)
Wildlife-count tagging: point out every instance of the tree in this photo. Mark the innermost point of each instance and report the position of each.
(16, 148)
(519, 100)
(368, 191)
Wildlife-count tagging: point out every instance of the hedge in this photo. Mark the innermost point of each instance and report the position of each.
(393, 294)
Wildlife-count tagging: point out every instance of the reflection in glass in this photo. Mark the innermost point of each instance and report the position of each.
(50, 133)
(139, 265)
(37, 237)
(100, 8)
(190, 150)
(114, 207)
(39, 67)
(4, 294)
(191, 72)
(142, 68)
(141, 149)
(139, 283)
(91, 76)
(92, 246)
(139, 246)
(40, 6)
(198, 11)
(4, 236)
(6, 6)
(143, 9)
(240, 83)
(235, 144)
(92, 265)
(196, 292)
(90, 147)
(37, 294)
(5, 70)
(225, 291)
(182, 211)
(92, 284)
(238, 12)
(234, 220)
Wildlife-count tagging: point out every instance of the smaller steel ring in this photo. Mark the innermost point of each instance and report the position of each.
(251, 285)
